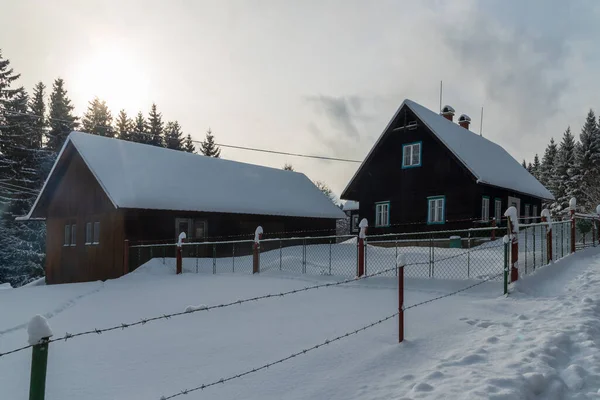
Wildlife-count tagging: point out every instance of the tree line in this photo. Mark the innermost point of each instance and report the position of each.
(571, 168)
(32, 132)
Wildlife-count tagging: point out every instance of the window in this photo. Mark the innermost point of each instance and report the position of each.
(485, 208)
(382, 214)
(498, 210)
(88, 233)
(199, 229)
(96, 233)
(411, 155)
(73, 235)
(194, 228)
(527, 209)
(436, 210)
(535, 212)
(67, 241)
(355, 223)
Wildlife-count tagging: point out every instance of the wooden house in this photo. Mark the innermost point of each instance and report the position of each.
(426, 172)
(103, 191)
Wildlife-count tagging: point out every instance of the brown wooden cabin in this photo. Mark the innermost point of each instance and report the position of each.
(103, 191)
(427, 173)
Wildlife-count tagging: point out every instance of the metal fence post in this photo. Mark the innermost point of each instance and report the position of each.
(360, 268)
(197, 257)
(572, 205)
(469, 255)
(126, 257)
(39, 363)
(214, 259)
(280, 254)
(526, 254)
(400, 272)
(330, 256)
(506, 242)
(233, 258)
(432, 256)
(303, 256)
(256, 250)
(534, 248)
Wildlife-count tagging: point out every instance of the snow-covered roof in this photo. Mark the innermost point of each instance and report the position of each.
(350, 205)
(141, 176)
(488, 162)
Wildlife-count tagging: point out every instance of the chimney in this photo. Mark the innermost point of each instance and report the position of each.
(448, 112)
(464, 120)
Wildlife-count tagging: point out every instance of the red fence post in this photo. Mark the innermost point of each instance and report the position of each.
(361, 247)
(546, 218)
(572, 205)
(513, 229)
(256, 250)
(494, 228)
(126, 257)
(400, 272)
(179, 268)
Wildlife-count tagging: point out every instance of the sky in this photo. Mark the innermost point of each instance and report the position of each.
(317, 76)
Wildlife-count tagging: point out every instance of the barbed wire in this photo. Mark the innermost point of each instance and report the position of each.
(144, 321)
(281, 360)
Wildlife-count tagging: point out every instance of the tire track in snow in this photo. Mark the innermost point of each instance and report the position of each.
(50, 314)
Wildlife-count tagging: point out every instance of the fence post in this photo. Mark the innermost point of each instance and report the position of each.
(513, 229)
(39, 333)
(361, 247)
(494, 228)
(179, 261)
(280, 254)
(534, 248)
(126, 257)
(572, 205)
(401, 262)
(506, 241)
(548, 219)
(214, 259)
(598, 229)
(256, 250)
(330, 245)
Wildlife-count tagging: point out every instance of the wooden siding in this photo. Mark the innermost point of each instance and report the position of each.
(77, 198)
(383, 179)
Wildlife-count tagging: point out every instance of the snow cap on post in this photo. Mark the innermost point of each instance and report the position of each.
(182, 237)
(546, 214)
(598, 209)
(572, 203)
(258, 234)
(401, 260)
(363, 225)
(38, 329)
(514, 218)
(506, 239)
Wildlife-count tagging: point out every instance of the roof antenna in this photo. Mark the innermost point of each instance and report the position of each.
(441, 91)
(481, 123)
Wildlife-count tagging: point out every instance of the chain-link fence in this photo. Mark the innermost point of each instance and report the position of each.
(586, 231)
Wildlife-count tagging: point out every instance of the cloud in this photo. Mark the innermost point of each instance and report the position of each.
(340, 112)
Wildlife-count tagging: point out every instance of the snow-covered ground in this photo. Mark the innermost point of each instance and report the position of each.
(540, 342)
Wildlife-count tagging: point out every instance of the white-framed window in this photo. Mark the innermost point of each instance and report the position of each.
(195, 229)
(535, 211)
(88, 233)
(96, 233)
(527, 210)
(411, 155)
(73, 235)
(67, 241)
(354, 223)
(382, 214)
(436, 210)
(485, 208)
(498, 210)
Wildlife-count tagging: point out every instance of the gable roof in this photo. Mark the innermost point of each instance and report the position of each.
(141, 176)
(487, 161)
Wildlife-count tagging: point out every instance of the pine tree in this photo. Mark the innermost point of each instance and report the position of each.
(588, 164)
(189, 144)
(530, 168)
(565, 172)
(155, 127)
(37, 107)
(524, 164)
(124, 126)
(140, 130)
(288, 167)
(61, 119)
(173, 136)
(549, 160)
(98, 119)
(208, 146)
(326, 191)
(536, 168)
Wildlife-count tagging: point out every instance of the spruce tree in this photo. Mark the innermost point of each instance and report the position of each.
(208, 146)
(124, 126)
(155, 127)
(61, 119)
(173, 136)
(140, 130)
(565, 172)
(547, 168)
(326, 190)
(536, 168)
(288, 167)
(530, 168)
(189, 144)
(588, 163)
(524, 164)
(98, 119)
(37, 107)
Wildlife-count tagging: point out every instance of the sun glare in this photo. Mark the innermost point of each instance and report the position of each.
(113, 75)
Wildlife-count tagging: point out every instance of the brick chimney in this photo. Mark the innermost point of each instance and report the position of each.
(464, 120)
(448, 112)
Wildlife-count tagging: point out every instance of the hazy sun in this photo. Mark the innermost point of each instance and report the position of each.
(111, 74)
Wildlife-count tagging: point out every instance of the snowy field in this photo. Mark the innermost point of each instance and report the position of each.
(541, 342)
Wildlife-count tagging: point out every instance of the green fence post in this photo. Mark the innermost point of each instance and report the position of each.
(526, 255)
(39, 334)
(534, 248)
(469, 255)
(214, 259)
(506, 242)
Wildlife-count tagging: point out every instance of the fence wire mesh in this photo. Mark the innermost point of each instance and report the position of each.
(586, 231)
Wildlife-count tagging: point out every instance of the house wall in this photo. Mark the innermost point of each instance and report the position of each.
(406, 189)
(77, 199)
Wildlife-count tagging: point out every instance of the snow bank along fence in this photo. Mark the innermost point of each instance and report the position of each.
(41, 335)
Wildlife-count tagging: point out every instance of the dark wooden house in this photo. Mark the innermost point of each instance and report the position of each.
(426, 172)
(102, 191)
